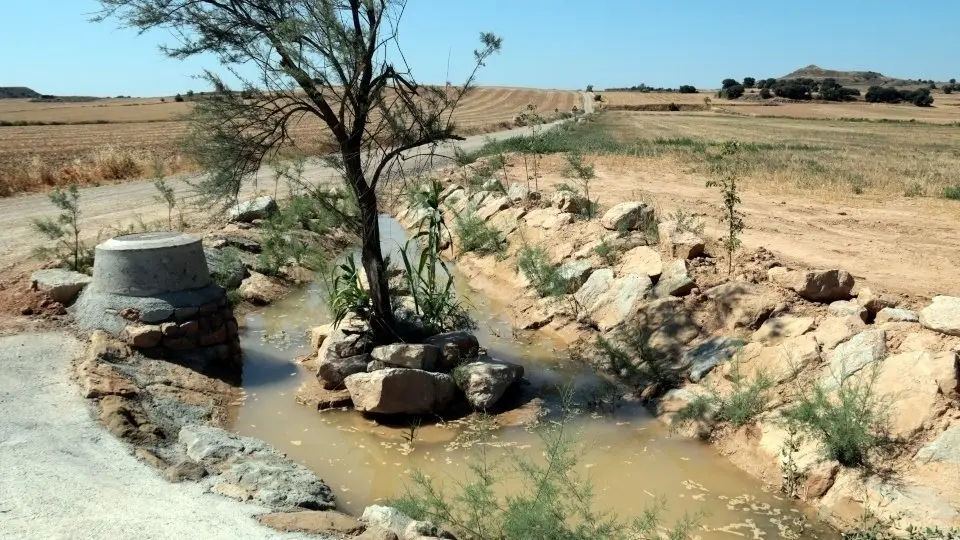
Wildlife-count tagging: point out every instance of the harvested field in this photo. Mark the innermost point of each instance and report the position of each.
(117, 139)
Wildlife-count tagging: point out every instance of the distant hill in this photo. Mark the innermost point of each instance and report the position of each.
(855, 79)
(17, 92)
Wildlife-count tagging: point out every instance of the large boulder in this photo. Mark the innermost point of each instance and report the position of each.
(875, 302)
(675, 280)
(741, 305)
(709, 354)
(575, 273)
(227, 271)
(845, 308)
(485, 381)
(598, 284)
(815, 285)
(835, 330)
(911, 382)
(620, 301)
(782, 362)
(59, 284)
(866, 348)
(568, 202)
(331, 371)
(892, 314)
(627, 216)
(492, 206)
(680, 243)
(942, 315)
(945, 448)
(259, 208)
(454, 347)
(261, 290)
(344, 341)
(641, 260)
(408, 355)
(517, 193)
(401, 391)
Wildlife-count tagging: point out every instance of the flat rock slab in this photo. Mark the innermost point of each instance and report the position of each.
(786, 326)
(844, 308)
(680, 243)
(259, 208)
(485, 381)
(675, 280)
(620, 301)
(835, 330)
(313, 522)
(401, 391)
(709, 354)
(911, 382)
(890, 314)
(945, 448)
(626, 216)
(641, 260)
(408, 355)
(59, 284)
(942, 315)
(861, 350)
(815, 285)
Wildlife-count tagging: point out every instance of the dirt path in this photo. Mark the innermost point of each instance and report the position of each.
(63, 476)
(906, 246)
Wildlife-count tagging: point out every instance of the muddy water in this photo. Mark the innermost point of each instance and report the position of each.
(630, 457)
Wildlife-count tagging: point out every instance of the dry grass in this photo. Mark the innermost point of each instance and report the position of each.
(118, 139)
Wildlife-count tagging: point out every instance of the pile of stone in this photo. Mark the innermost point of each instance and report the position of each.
(208, 329)
(410, 378)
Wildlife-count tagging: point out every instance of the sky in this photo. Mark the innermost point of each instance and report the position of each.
(50, 45)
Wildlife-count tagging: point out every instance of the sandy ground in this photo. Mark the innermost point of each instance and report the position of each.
(63, 476)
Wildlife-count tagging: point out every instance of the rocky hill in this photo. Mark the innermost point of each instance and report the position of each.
(19, 92)
(855, 79)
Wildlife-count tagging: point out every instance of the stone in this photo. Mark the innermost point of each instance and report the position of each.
(706, 356)
(641, 260)
(844, 308)
(225, 270)
(785, 326)
(945, 448)
(386, 517)
(479, 197)
(621, 301)
(892, 314)
(240, 242)
(818, 479)
(313, 522)
(421, 530)
(815, 285)
(675, 280)
(626, 216)
(911, 382)
(568, 202)
(741, 305)
(598, 284)
(343, 342)
(575, 273)
(540, 217)
(185, 470)
(408, 355)
(485, 381)
(863, 349)
(942, 315)
(142, 336)
(261, 290)
(492, 206)
(125, 419)
(835, 330)
(377, 533)
(681, 244)
(782, 362)
(401, 391)
(59, 284)
(672, 326)
(331, 370)
(454, 346)
(259, 208)
(99, 379)
(874, 302)
(517, 193)
(317, 336)
(149, 458)
(507, 221)
(312, 394)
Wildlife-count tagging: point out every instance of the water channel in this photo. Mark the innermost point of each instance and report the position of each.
(632, 459)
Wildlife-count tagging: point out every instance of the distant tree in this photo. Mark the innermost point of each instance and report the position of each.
(687, 89)
(792, 90)
(178, 98)
(881, 94)
(953, 81)
(831, 90)
(163, 100)
(948, 89)
(732, 92)
(765, 93)
(727, 83)
(190, 95)
(920, 97)
(589, 88)
(749, 82)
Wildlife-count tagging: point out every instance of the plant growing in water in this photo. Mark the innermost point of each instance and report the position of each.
(345, 295)
(748, 398)
(64, 231)
(544, 276)
(731, 199)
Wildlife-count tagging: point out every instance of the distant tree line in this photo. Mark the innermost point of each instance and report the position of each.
(921, 97)
(683, 89)
(805, 89)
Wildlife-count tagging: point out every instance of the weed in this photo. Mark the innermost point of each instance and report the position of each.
(952, 193)
(747, 399)
(345, 295)
(731, 201)
(633, 358)
(607, 253)
(166, 195)
(476, 236)
(791, 475)
(583, 173)
(228, 260)
(869, 526)
(64, 232)
(915, 190)
(544, 276)
(687, 222)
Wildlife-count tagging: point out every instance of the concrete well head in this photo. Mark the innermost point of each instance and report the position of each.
(148, 264)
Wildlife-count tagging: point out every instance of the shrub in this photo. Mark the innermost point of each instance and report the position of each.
(178, 98)
(747, 399)
(221, 273)
(583, 173)
(749, 82)
(64, 232)
(920, 97)
(765, 93)
(687, 89)
(687, 222)
(607, 253)
(732, 92)
(792, 90)
(952, 193)
(543, 275)
(345, 295)
(476, 236)
(872, 527)
(830, 90)
(589, 88)
(947, 89)
(727, 83)
(632, 358)
(728, 166)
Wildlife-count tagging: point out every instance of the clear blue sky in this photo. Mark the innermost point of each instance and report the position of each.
(49, 45)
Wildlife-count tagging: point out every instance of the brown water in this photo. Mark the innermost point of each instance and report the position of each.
(630, 457)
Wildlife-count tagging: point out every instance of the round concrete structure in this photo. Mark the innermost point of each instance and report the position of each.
(148, 264)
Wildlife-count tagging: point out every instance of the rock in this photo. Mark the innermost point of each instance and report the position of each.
(492, 206)
(681, 244)
(331, 371)
(575, 273)
(240, 242)
(312, 394)
(621, 301)
(251, 468)
(421, 530)
(598, 284)
(706, 356)
(494, 185)
(568, 202)
(507, 221)
(945, 448)
(377, 533)
(387, 517)
(818, 479)
(397, 282)
(911, 382)
(185, 470)
(773, 330)
(408, 355)
(454, 346)
(260, 290)
(942, 315)
(544, 218)
(782, 362)
(517, 193)
(892, 314)
(741, 305)
(259, 208)
(815, 285)
(142, 336)
(865, 348)
(59, 284)
(125, 419)
(343, 342)
(844, 308)
(835, 330)
(313, 522)
(401, 391)
(478, 198)
(671, 325)
(675, 280)
(874, 302)
(641, 260)
(317, 336)
(99, 379)
(485, 381)
(149, 458)
(226, 271)
(626, 216)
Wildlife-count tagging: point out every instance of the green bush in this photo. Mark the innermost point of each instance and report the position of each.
(543, 275)
(748, 398)
(607, 253)
(64, 232)
(749, 82)
(952, 193)
(765, 93)
(687, 89)
(871, 527)
(732, 92)
(632, 358)
(476, 236)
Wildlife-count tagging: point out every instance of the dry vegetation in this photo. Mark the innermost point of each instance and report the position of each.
(117, 139)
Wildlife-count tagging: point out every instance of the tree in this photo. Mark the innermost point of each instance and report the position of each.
(333, 60)
(727, 83)
(953, 81)
(749, 82)
(589, 88)
(687, 89)
(178, 98)
(732, 92)
(765, 93)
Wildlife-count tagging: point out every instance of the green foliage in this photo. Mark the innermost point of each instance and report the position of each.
(64, 232)
(727, 83)
(228, 260)
(548, 498)
(178, 98)
(748, 398)
(687, 89)
(583, 173)
(687, 222)
(749, 82)
(543, 275)
(872, 527)
(765, 93)
(830, 90)
(607, 253)
(166, 195)
(920, 97)
(345, 295)
(728, 167)
(732, 92)
(914, 190)
(632, 358)
(476, 236)
(589, 88)
(849, 422)
(952, 193)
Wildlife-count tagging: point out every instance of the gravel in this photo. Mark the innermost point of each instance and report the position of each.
(63, 476)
